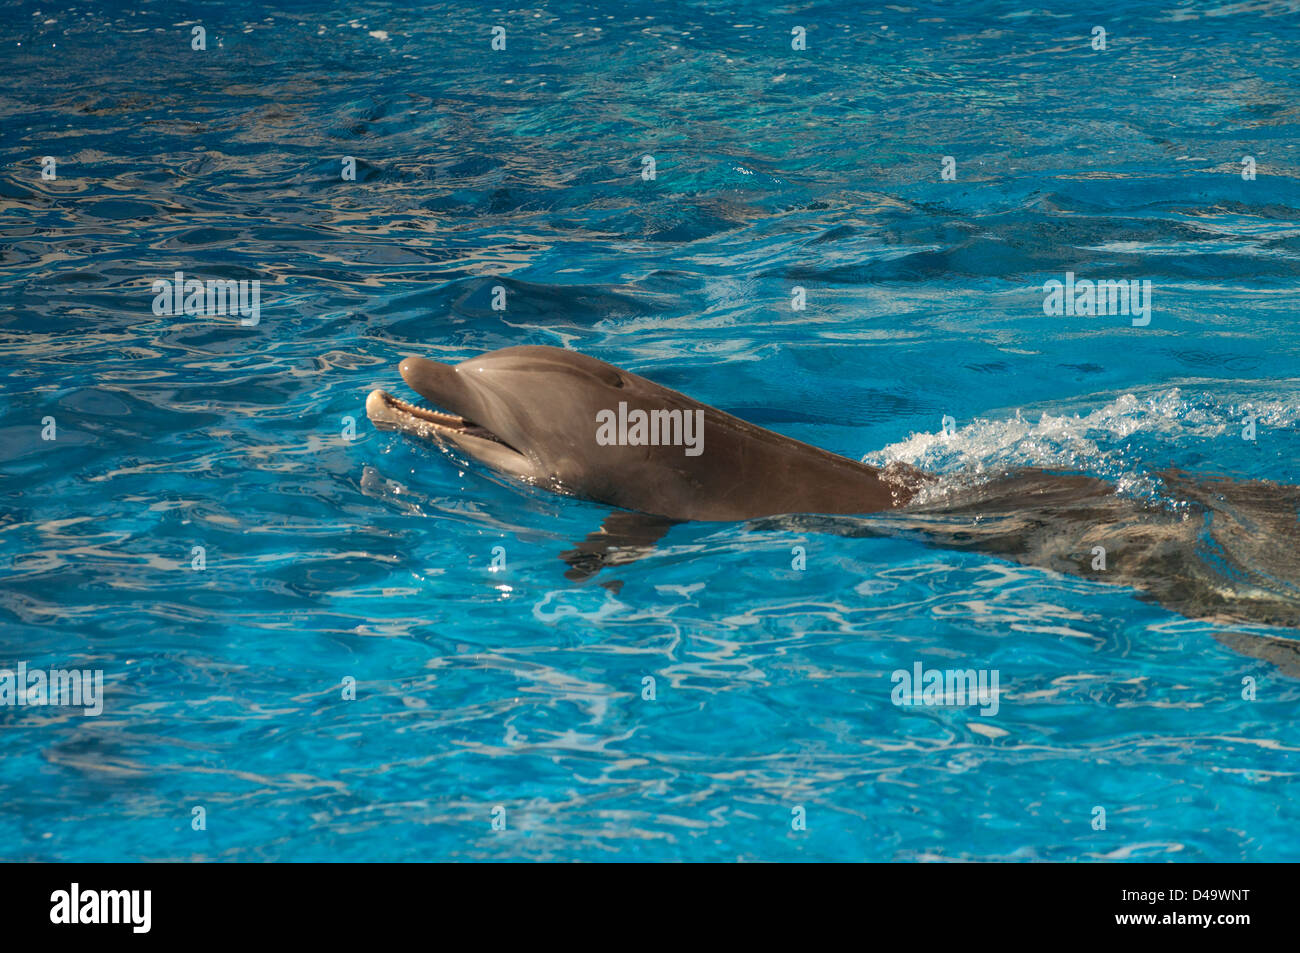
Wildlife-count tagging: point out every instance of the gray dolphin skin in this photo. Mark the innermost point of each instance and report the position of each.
(566, 422)
(535, 412)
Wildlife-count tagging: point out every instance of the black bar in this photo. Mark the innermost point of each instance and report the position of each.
(338, 902)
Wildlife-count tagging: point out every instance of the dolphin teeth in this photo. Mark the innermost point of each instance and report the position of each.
(450, 421)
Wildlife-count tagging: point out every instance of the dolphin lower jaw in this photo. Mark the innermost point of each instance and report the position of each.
(389, 413)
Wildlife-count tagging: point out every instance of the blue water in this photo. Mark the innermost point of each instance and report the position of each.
(371, 558)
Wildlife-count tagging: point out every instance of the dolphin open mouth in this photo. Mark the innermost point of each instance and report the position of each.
(467, 403)
(390, 413)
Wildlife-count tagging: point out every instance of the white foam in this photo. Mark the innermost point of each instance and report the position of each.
(1097, 441)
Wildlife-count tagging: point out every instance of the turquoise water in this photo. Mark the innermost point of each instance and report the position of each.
(371, 558)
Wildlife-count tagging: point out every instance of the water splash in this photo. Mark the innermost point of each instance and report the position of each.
(1123, 441)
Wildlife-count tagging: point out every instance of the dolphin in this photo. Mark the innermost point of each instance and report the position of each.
(575, 425)
(535, 413)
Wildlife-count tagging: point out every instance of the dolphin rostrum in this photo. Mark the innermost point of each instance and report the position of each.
(573, 424)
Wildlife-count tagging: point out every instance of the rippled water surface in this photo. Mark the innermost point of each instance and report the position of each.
(372, 558)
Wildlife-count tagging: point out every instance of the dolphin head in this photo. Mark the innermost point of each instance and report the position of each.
(526, 411)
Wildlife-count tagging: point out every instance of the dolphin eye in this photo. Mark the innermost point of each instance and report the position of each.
(608, 375)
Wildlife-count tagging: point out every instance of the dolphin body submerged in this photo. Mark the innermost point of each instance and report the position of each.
(568, 422)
